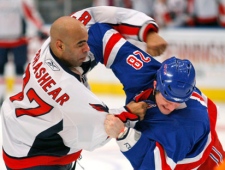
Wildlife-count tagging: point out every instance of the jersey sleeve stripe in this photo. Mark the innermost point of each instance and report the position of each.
(127, 29)
(161, 160)
(201, 157)
(145, 29)
(114, 42)
(199, 98)
(217, 154)
(187, 163)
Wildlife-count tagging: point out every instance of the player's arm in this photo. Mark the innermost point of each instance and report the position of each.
(131, 113)
(91, 112)
(144, 152)
(127, 61)
(136, 147)
(130, 23)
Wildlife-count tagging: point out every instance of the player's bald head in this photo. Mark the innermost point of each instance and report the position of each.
(66, 33)
(65, 26)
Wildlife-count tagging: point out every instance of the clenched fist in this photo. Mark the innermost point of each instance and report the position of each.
(156, 45)
(113, 126)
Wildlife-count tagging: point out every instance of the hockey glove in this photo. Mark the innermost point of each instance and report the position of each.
(126, 117)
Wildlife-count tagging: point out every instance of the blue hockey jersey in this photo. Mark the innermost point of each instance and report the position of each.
(180, 140)
(129, 63)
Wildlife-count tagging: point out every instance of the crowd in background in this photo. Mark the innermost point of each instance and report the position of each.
(20, 21)
(177, 13)
(167, 13)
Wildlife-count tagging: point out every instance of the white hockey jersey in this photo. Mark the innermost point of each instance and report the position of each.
(54, 116)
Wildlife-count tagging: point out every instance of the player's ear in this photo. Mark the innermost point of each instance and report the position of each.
(59, 45)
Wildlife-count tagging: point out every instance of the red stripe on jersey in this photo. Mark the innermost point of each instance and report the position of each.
(127, 29)
(212, 110)
(29, 14)
(193, 165)
(212, 113)
(144, 95)
(109, 46)
(150, 27)
(216, 156)
(198, 96)
(131, 30)
(21, 163)
(165, 166)
(14, 43)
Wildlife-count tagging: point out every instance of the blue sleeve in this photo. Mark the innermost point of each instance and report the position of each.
(95, 41)
(141, 155)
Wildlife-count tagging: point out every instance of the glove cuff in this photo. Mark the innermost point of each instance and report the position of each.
(117, 111)
(128, 138)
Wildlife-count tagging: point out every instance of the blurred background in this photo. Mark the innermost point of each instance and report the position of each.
(194, 29)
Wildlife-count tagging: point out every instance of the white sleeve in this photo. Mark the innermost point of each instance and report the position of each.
(85, 114)
(135, 24)
(117, 110)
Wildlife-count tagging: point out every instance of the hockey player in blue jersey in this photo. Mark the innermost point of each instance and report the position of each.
(178, 130)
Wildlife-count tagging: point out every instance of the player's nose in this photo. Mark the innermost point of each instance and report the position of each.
(86, 48)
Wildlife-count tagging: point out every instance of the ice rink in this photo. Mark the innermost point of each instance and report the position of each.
(109, 156)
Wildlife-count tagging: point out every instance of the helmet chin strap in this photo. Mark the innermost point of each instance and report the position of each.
(154, 94)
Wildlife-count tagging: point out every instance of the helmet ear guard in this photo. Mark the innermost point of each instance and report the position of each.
(176, 79)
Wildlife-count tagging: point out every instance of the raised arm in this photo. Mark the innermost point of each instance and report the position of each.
(131, 24)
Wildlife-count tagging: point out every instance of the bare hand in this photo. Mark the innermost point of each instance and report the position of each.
(156, 45)
(138, 108)
(113, 126)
